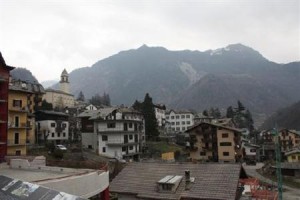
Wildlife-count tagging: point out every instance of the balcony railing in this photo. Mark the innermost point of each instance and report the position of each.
(21, 125)
(120, 142)
(16, 142)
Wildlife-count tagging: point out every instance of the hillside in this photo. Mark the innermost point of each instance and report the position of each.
(192, 79)
(288, 117)
(23, 74)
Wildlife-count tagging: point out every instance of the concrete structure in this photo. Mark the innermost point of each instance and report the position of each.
(4, 80)
(85, 183)
(160, 114)
(179, 121)
(140, 180)
(61, 98)
(119, 132)
(24, 98)
(52, 126)
(212, 142)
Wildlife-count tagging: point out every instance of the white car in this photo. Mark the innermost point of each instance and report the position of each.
(61, 147)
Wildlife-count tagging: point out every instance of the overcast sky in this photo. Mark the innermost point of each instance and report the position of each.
(48, 36)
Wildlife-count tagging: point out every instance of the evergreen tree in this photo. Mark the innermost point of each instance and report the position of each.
(80, 96)
(229, 112)
(217, 113)
(45, 106)
(205, 113)
(249, 120)
(150, 119)
(241, 107)
(138, 106)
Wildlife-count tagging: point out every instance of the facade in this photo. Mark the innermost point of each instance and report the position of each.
(61, 98)
(24, 98)
(198, 118)
(293, 156)
(289, 139)
(179, 121)
(119, 132)
(160, 114)
(52, 126)
(4, 81)
(212, 142)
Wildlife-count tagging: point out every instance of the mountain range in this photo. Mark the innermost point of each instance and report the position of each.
(193, 79)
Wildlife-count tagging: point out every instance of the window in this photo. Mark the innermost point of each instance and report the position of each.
(166, 186)
(183, 123)
(173, 123)
(104, 137)
(16, 138)
(183, 128)
(188, 116)
(182, 116)
(252, 150)
(130, 125)
(167, 117)
(63, 125)
(17, 103)
(58, 134)
(299, 158)
(202, 153)
(124, 149)
(172, 117)
(52, 124)
(130, 137)
(17, 121)
(18, 152)
(188, 122)
(64, 134)
(173, 129)
(177, 116)
(130, 147)
(225, 143)
(52, 134)
(103, 149)
(225, 153)
(111, 125)
(294, 157)
(177, 129)
(177, 123)
(224, 135)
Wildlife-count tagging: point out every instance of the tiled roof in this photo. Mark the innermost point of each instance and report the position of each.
(27, 87)
(212, 181)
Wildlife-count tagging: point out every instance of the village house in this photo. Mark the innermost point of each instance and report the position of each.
(4, 81)
(24, 98)
(293, 155)
(150, 180)
(52, 126)
(213, 142)
(61, 98)
(160, 114)
(114, 132)
(289, 139)
(179, 121)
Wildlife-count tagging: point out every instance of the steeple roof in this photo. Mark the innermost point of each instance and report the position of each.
(64, 73)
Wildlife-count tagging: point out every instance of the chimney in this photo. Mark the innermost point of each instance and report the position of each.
(187, 179)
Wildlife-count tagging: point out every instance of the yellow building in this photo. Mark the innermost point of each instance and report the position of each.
(289, 139)
(213, 142)
(293, 156)
(23, 100)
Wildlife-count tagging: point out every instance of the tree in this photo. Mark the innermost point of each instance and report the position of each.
(241, 107)
(229, 112)
(80, 96)
(137, 106)
(45, 106)
(98, 100)
(217, 113)
(205, 113)
(150, 118)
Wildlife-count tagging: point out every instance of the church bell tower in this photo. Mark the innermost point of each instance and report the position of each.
(64, 82)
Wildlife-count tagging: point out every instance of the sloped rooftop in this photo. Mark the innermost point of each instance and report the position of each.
(212, 181)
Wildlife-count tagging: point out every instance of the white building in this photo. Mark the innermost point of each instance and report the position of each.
(179, 121)
(117, 132)
(60, 98)
(52, 126)
(160, 114)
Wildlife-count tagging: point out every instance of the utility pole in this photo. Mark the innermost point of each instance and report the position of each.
(278, 163)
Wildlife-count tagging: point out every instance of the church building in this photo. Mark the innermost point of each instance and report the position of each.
(61, 98)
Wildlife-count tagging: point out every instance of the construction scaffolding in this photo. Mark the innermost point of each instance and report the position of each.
(258, 191)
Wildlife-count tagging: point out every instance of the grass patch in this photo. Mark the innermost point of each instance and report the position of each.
(163, 147)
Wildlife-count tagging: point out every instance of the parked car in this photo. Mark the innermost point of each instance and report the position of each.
(61, 147)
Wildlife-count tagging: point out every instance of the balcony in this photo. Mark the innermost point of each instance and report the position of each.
(16, 142)
(18, 109)
(19, 126)
(120, 142)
